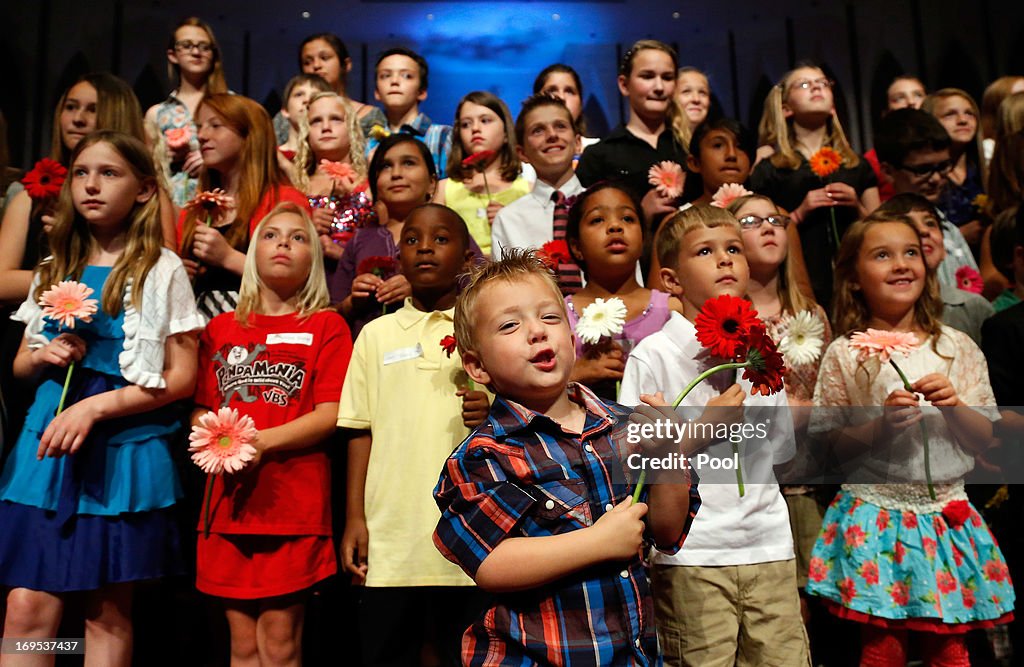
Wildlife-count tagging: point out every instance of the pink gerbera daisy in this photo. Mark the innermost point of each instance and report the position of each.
(668, 178)
(729, 193)
(221, 441)
(969, 280)
(883, 344)
(66, 302)
(341, 172)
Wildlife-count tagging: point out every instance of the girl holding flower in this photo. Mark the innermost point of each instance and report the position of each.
(268, 539)
(825, 190)
(96, 101)
(236, 140)
(331, 166)
(193, 61)
(896, 554)
(86, 497)
(605, 234)
(483, 166)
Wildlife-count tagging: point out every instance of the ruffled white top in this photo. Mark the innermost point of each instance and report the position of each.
(168, 308)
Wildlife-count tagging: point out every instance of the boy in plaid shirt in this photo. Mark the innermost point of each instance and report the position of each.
(530, 507)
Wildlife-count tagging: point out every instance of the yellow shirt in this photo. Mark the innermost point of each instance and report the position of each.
(472, 207)
(401, 387)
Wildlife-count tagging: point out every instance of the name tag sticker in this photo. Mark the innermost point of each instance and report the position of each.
(290, 339)
(403, 354)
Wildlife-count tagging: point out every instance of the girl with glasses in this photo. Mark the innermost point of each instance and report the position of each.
(193, 62)
(802, 111)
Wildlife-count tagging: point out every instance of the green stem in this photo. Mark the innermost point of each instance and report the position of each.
(206, 504)
(64, 392)
(924, 434)
(739, 472)
(679, 399)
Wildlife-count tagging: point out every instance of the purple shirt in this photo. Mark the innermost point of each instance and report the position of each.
(651, 320)
(368, 242)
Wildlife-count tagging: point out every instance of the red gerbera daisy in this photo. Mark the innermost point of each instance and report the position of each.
(723, 325)
(382, 267)
(554, 253)
(45, 179)
(956, 513)
(767, 366)
(448, 344)
(478, 160)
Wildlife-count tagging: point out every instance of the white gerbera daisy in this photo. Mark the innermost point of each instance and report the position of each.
(804, 339)
(601, 319)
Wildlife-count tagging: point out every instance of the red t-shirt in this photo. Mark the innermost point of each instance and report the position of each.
(275, 371)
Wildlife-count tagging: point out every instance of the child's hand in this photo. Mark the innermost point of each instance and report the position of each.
(60, 351)
(193, 164)
(492, 210)
(901, 411)
(729, 405)
(191, 268)
(209, 245)
(841, 194)
(655, 204)
(622, 530)
(332, 250)
(655, 409)
(814, 199)
(608, 365)
(395, 288)
(354, 549)
(322, 219)
(365, 285)
(475, 407)
(68, 430)
(937, 390)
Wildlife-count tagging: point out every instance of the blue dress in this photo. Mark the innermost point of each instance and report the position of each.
(103, 515)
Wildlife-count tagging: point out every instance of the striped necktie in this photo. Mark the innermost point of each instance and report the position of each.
(569, 279)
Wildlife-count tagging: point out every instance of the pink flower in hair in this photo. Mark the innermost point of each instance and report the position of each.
(729, 193)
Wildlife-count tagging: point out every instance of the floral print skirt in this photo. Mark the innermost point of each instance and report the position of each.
(890, 556)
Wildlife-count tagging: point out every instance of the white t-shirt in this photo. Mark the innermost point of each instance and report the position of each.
(728, 529)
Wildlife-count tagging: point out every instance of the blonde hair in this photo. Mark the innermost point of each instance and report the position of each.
(305, 160)
(259, 171)
(71, 242)
(313, 296)
(850, 310)
(974, 150)
(515, 266)
(786, 155)
(792, 299)
(675, 228)
(1006, 171)
(680, 123)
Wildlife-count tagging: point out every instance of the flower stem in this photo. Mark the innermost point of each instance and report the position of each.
(924, 434)
(835, 228)
(206, 504)
(679, 399)
(64, 392)
(739, 472)
(487, 190)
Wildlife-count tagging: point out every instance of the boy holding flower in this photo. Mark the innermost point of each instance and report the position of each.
(530, 503)
(739, 560)
(405, 400)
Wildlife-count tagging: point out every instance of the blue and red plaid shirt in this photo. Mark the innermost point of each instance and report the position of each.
(520, 474)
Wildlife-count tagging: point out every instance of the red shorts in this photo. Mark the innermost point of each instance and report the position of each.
(249, 567)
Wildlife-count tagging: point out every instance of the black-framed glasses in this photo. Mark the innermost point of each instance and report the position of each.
(926, 170)
(187, 45)
(754, 221)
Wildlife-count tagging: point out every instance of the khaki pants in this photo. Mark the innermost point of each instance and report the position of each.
(730, 615)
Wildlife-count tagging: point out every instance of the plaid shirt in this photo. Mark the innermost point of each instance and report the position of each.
(520, 474)
(437, 137)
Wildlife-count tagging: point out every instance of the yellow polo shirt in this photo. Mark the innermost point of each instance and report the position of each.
(401, 387)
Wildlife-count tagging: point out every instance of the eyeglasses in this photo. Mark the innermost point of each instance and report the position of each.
(204, 47)
(754, 221)
(807, 84)
(926, 170)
